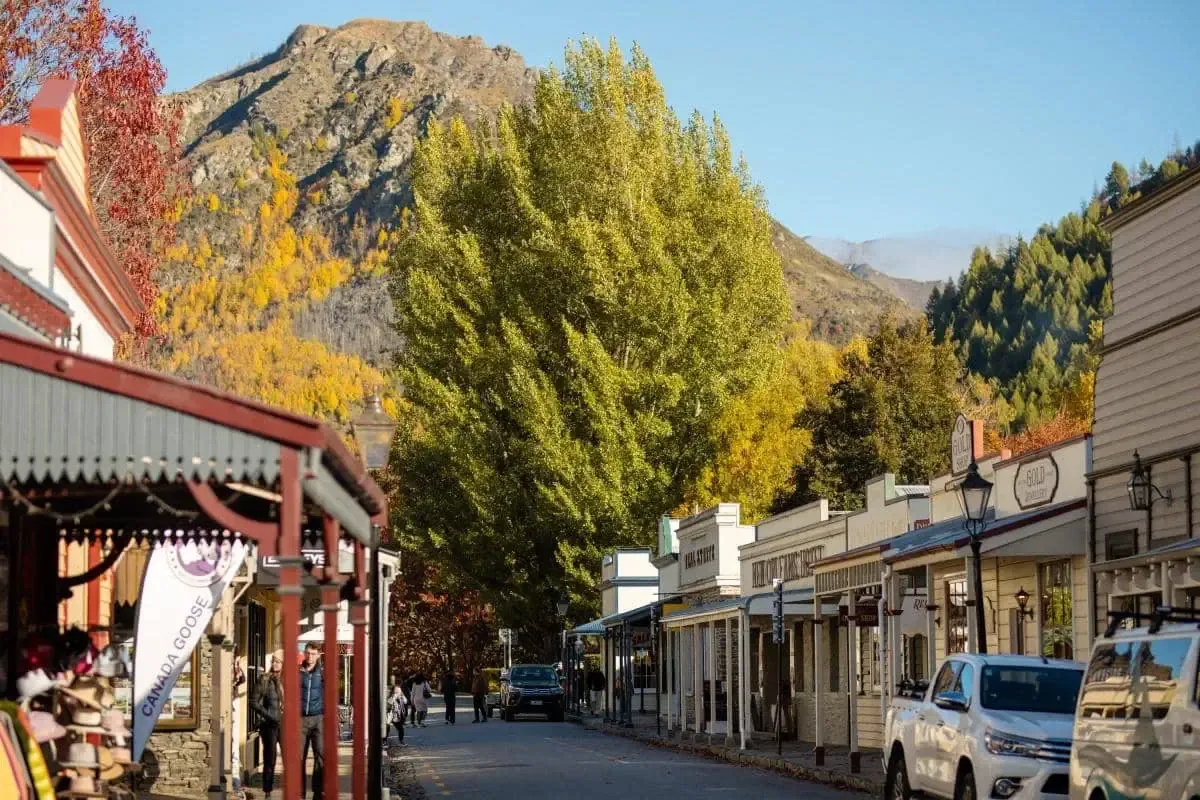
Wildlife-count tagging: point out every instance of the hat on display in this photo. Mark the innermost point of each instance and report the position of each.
(83, 786)
(113, 722)
(33, 683)
(44, 727)
(109, 663)
(122, 755)
(109, 768)
(85, 720)
(77, 652)
(81, 755)
(91, 692)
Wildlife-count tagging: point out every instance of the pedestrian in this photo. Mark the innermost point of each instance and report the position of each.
(268, 703)
(421, 693)
(449, 694)
(412, 706)
(479, 688)
(398, 710)
(312, 709)
(596, 687)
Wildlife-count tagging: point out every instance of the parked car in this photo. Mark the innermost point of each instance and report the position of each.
(532, 689)
(1137, 727)
(989, 726)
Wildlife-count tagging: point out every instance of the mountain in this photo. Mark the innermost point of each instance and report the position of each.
(914, 293)
(346, 106)
(839, 303)
(931, 256)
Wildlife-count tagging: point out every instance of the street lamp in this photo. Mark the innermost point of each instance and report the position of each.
(974, 491)
(1141, 490)
(1023, 613)
(373, 431)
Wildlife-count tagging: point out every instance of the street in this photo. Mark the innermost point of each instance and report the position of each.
(534, 759)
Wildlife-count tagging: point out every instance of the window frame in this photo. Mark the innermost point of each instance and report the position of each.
(1041, 607)
(955, 666)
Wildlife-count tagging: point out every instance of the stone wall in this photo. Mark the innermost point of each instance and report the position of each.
(177, 761)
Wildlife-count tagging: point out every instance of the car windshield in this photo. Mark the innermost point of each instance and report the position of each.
(1049, 689)
(533, 674)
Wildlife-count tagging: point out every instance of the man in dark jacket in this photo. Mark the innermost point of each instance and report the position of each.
(412, 706)
(312, 709)
(449, 694)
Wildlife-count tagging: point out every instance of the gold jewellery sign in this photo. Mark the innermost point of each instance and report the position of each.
(789, 566)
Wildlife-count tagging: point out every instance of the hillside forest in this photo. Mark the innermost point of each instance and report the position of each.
(590, 324)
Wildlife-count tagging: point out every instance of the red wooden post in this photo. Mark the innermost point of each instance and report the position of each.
(332, 659)
(358, 618)
(289, 593)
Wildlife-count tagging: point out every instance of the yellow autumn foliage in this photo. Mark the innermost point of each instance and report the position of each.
(759, 443)
(230, 324)
(397, 108)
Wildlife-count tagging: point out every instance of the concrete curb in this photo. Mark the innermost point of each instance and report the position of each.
(747, 758)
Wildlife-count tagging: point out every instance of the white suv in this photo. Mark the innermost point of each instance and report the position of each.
(1137, 729)
(988, 727)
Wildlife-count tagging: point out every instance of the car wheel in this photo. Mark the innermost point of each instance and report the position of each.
(896, 787)
(964, 789)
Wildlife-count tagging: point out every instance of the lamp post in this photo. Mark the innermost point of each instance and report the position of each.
(580, 675)
(974, 491)
(654, 612)
(373, 431)
(563, 606)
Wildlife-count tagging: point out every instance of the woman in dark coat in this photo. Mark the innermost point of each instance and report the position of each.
(268, 702)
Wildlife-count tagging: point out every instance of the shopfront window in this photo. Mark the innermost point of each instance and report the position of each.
(956, 615)
(915, 650)
(1056, 610)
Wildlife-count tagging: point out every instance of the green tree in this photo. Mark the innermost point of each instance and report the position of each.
(890, 412)
(585, 289)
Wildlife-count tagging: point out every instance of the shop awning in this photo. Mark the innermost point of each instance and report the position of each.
(69, 418)
(593, 628)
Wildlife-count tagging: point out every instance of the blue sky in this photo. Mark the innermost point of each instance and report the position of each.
(861, 119)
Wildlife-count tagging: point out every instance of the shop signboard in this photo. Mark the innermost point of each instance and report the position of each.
(1035, 482)
(181, 589)
(914, 615)
(867, 615)
(962, 444)
(788, 566)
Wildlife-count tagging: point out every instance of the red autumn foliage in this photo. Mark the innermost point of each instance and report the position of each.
(1058, 428)
(431, 627)
(132, 136)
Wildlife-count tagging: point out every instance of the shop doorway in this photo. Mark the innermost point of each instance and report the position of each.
(256, 661)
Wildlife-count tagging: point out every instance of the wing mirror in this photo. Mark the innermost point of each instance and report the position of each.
(952, 701)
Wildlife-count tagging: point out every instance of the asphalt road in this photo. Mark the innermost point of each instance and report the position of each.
(532, 759)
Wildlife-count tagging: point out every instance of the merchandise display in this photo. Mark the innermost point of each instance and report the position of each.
(63, 738)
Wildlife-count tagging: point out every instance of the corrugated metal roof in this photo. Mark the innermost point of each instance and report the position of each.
(58, 430)
(912, 490)
(593, 628)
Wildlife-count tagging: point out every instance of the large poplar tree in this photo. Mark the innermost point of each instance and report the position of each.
(585, 286)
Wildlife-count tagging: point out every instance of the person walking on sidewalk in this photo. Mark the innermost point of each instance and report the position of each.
(397, 711)
(268, 703)
(449, 694)
(312, 727)
(596, 687)
(479, 688)
(408, 693)
(421, 693)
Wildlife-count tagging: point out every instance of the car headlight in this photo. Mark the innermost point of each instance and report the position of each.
(1003, 744)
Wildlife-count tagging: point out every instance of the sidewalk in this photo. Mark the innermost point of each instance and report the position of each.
(797, 759)
(393, 777)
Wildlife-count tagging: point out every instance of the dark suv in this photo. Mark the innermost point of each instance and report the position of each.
(532, 689)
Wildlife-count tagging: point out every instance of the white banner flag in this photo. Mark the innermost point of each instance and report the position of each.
(180, 591)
